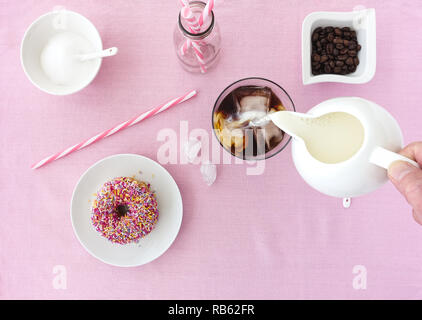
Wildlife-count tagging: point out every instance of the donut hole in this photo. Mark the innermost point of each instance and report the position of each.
(122, 210)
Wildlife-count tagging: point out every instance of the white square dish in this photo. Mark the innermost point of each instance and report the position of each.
(363, 22)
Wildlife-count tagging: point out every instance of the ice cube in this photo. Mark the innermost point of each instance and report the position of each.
(209, 172)
(273, 135)
(252, 98)
(252, 117)
(267, 137)
(258, 119)
(192, 149)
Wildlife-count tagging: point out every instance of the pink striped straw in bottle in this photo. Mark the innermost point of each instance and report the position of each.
(197, 51)
(189, 16)
(206, 12)
(194, 27)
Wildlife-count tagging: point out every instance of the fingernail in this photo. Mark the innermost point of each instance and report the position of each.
(399, 169)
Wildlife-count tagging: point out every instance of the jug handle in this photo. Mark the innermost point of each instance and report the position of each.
(384, 158)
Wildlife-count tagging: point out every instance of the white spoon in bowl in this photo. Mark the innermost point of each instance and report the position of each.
(100, 54)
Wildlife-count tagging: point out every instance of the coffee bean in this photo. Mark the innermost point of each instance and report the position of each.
(332, 64)
(352, 53)
(344, 51)
(359, 47)
(337, 70)
(323, 58)
(315, 37)
(316, 57)
(327, 68)
(335, 52)
(347, 29)
(329, 29)
(349, 61)
(318, 44)
(339, 63)
(337, 40)
(329, 48)
(317, 30)
(330, 37)
(338, 32)
(339, 46)
(346, 42)
(342, 57)
(356, 61)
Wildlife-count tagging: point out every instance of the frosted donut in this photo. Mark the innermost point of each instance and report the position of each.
(125, 210)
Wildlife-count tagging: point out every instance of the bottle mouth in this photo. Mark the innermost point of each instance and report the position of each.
(199, 35)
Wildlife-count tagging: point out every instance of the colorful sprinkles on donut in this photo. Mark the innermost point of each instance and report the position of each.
(125, 210)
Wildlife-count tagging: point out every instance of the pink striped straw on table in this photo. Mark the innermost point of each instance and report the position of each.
(115, 129)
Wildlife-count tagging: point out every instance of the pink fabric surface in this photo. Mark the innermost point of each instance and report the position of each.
(249, 237)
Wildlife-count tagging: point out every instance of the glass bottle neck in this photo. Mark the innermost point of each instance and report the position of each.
(205, 30)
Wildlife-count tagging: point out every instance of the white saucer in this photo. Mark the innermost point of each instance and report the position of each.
(169, 205)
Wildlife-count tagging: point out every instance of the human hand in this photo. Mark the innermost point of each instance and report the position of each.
(408, 179)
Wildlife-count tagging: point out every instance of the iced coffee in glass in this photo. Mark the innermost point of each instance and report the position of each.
(240, 118)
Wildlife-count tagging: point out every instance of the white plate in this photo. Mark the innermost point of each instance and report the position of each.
(169, 205)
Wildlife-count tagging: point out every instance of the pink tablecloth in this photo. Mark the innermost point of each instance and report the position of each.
(249, 237)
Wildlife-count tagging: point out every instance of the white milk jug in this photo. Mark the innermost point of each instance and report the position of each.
(343, 146)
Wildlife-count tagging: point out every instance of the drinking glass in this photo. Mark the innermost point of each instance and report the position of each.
(278, 91)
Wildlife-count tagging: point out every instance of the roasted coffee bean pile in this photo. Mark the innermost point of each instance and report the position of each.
(334, 50)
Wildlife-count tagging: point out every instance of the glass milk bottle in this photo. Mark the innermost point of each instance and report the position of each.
(198, 50)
